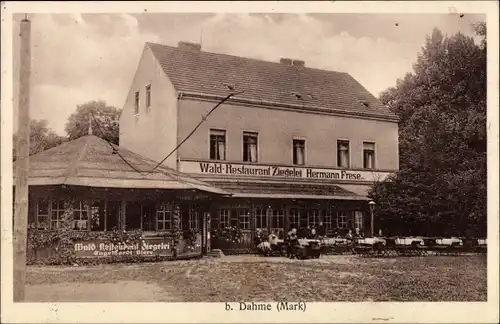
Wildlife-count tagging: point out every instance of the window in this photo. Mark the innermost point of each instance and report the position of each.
(224, 218)
(148, 97)
(194, 217)
(343, 154)
(97, 216)
(261, 218)
(56, 214)
(327, 220)
(358, 219)
(164, 217)
(80, 216)
(368, 155)
(136, 107)
(278, 219)
(250, 147)
(313, 218)
(341, 220)
(217, 144)
(294, 218)
(244, 216)
(133, 216)
(299, 148)
(42, 214)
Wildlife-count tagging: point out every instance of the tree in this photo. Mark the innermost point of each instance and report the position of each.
(41, 138)
(105, 121)
(441, 186)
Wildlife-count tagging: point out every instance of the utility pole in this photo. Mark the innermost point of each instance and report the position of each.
(22, 164)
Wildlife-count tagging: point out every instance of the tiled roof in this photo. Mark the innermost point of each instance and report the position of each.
(197, 71)
(91, 161)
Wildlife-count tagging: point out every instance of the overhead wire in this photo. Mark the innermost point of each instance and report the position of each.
(203, 118)
(115, 150)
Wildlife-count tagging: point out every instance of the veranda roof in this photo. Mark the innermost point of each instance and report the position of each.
(285, 190)
(92, 162)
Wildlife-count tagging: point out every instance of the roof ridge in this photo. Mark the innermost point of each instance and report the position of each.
(71, 170)
(252, 59)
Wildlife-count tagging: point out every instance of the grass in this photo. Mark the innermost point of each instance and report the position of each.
(248, 278)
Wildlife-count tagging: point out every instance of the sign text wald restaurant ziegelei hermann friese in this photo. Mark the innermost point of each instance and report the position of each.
(217, 168)
(144, 247)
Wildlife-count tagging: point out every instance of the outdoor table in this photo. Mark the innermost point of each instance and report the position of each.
(334, 240)
(448, 241)
(409, 241)
(371, 241)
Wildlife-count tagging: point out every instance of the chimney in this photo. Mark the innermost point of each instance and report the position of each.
(298, 63)
(286, 61)
(189, 46)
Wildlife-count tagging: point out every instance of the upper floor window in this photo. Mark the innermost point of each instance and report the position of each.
(250, 147)
(136, 104)
(148, 97)
(299, 151)
(343, 154)
(368, 155)
(217, 144)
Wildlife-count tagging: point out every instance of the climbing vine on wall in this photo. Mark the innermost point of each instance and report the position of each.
(57, 246)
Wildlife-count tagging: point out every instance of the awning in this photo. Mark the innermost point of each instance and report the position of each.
(285, 190)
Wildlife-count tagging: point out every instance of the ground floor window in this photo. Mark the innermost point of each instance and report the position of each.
(313, 219)
(261, 218)
(358, 219)
(327, 220)
(224, 218)
(294, 218)
(342, 219)
(57, 212)
(97, 216)
(277, 220)
(194, 217)
(244, 217)
(42, 214)
(133, 216)
(164, 217)
(80, 216)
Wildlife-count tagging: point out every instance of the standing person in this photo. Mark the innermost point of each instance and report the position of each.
(293, 241)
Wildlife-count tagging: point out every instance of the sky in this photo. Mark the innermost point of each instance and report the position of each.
(83, 57)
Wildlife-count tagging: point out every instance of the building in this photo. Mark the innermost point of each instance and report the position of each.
(99, 199)
(294, 145)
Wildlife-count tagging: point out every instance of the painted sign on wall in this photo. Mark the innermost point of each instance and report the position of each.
(272, 171)
(144, 247)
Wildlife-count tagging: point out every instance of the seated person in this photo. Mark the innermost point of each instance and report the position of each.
(273, 241)
(258, 237)
(312, 234)
(321, 230)
(358, 234)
